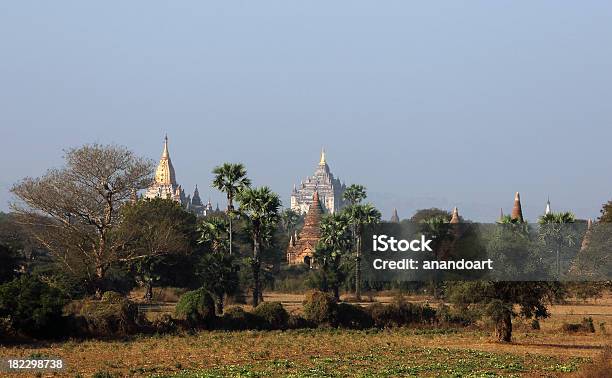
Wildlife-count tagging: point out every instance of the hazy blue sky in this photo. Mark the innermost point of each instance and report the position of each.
(452, 103)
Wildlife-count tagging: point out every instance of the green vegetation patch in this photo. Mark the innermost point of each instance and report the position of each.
(392, 360)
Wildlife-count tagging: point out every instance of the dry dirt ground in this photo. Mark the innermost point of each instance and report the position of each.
(322, 353)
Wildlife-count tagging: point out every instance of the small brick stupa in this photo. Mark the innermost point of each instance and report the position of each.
(517, 210)
(302, 246)
(455, 216)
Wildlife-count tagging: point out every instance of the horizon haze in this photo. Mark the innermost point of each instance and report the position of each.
(427, 105)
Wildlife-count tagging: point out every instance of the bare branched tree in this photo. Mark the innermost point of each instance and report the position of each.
(71, 211)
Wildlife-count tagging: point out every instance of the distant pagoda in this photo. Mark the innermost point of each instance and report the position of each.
(394, 217)
(302, 245)
(517, 209)
(196, 206)
(164, 185)
(329, 189)
(455, 216)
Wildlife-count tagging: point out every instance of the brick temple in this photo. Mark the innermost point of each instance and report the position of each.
(302, 246)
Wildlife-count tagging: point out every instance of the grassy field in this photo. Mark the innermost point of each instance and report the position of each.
(322, 353)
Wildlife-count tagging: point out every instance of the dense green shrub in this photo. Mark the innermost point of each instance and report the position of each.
(353, 316)
(32, 307)
(106, 318)
(112, 297)
(6, 328)
(587, 323)
(8, 264)
(235, 318)
(165, 324)
(401, 313)
(298, 322)
(320, 308)
(457, 315)
(273, 315)
(585, 326)
(197, 308)
(382, 315)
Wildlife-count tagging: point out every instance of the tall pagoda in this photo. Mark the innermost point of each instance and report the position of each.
(329, 189)
(164, 185)
(302, 246)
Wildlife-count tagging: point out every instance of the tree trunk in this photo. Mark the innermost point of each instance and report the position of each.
(100, 270)
(324, 285)
(503, 328)
(230, 208)
(358, 269)
(99, 281)
(256, 267)
(220, 304)
(149, 291)
(336, 293)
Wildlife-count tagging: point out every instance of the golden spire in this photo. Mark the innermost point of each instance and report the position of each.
(164, 174)
(322, 162)
(165, 153)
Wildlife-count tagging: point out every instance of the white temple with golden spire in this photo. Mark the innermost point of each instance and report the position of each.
(329, 189)
(165, 185)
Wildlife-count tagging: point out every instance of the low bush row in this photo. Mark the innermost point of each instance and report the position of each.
(116, 316)
(585, 326)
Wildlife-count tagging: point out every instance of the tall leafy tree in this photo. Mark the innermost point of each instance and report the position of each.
(334, 244)
(217, 269)
(230, 178)
(260, 206)
(71, 211)
(361, 215)
(354, 194)
(499, 300)
(511, 245)
(515, 225)
(439, 230)
(152, 229)
(289, 220)
(593, 260)
(218, 274)
(555, 233)
(423, 215)
(8, 264)
(214, 231)
(606, 213)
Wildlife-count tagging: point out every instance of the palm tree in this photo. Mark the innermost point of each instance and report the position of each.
(438, 229)
(260, 207)
(289, 220)
(354, 194)
(558, 218)
(334, 242)
(216, 268)
(361, 215)
(214, 231)
(553, 229)
(230, 178)
(519, 227)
